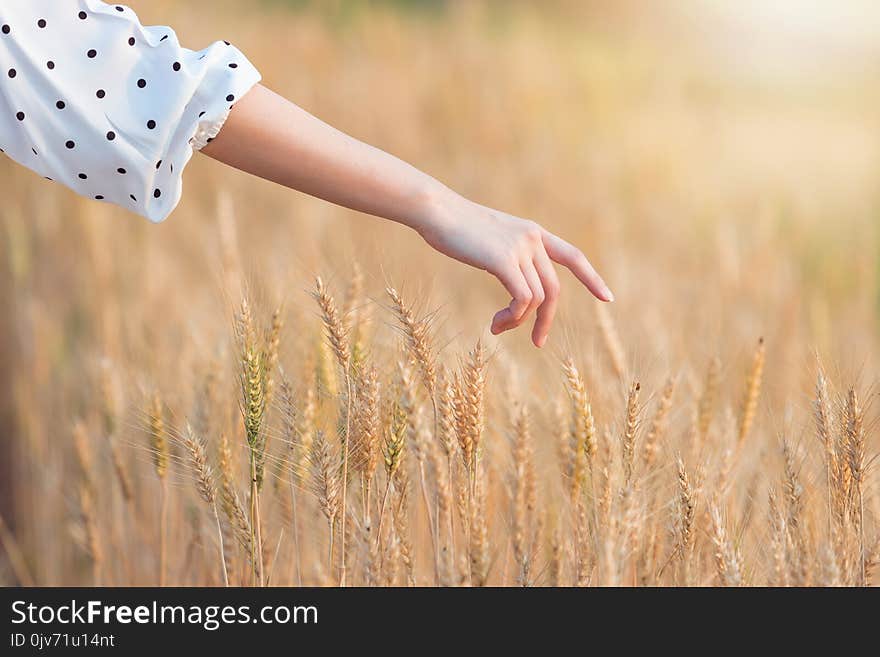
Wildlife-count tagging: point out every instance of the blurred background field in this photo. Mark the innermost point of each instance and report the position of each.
(717, 161)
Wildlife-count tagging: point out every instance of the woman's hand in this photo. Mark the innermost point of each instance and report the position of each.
(519, 252)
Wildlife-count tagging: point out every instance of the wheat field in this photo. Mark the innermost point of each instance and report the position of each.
(269, 390)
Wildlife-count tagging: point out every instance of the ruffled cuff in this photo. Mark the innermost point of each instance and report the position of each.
(226, 76)
(225, 85)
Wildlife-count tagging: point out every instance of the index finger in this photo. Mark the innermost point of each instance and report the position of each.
(571, 257)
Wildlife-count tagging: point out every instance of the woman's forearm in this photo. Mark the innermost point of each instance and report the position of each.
(270, 137)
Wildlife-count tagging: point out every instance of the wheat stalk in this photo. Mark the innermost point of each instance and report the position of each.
(706, 408)
(658, 424)
(685, 517)
(628, 446)
(230, 500)
(854, 454)
(750, 398)
(524, 496)
(418, 340)
(253, 400)
(823, 416)
(203, 475)
(579, 439)
(367, 430)
(395, 441)
(160, 453)
(611, 341)
(326, 485)
(479, 533)
(728, 560)
(337, 334)
(471, 409)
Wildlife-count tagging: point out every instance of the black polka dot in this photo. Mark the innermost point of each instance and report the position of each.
(151, 124)
(60, 104)
(142, 83)
(227, 43)
(100, 93)
(201, 114)
(121, 170)
(50, 65)
(82, 15)
(209, 140)
(118, 8)
(82, 176)
(233, 65)
(5, 29)
(111, 136)
(19, 116)
(91, 54)
(131, 196)
(230, 98)
(176, 66)
(157, 193)
(12, 73)
(158, 164)
(70, 144)
(163, 38)
(41, 23)
(172, 167)
(34, 150)
(99, 197)
(131, 41)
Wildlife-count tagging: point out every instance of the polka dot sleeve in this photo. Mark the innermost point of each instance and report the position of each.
(113, 109)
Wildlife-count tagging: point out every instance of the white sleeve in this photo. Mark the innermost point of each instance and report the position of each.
(113, 109)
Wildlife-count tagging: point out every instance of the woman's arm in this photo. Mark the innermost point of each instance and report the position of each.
(270, 137)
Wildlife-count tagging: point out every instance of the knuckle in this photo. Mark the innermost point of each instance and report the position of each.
(533, 233)
(551, 289)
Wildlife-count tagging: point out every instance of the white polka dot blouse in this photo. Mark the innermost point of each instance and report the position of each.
(94, 100)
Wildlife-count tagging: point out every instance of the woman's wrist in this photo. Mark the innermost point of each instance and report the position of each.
(435, 205)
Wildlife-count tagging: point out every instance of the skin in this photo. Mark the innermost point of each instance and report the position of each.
(270, 137)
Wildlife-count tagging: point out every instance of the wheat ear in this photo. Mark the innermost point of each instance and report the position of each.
(750, 398)
(203, 475)
(337, 333)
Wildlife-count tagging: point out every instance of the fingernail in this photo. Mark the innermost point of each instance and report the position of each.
(609, 295)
